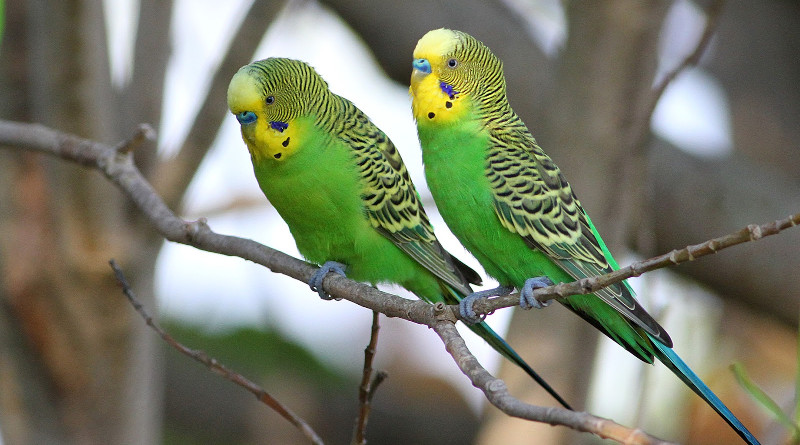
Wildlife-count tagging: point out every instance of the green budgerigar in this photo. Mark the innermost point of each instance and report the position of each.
(343, 190)
(510, 206)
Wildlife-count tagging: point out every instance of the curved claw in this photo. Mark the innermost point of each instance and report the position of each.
(316, 280)
(526, 299)
(465, 306)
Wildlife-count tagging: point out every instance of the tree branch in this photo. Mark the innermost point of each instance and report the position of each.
(212, 363)
(117, 165)
(368, 384)
(752, 232)
(497, 394)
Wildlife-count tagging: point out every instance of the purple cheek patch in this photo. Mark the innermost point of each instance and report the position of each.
(448, 89)
(278, 125)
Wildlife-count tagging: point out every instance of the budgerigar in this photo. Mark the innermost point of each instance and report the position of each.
(511, 207)
(343, 190)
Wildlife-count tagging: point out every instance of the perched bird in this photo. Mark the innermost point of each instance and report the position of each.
(511, 207)
(343, 190)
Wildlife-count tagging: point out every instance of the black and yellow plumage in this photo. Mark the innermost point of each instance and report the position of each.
(511, 206)
(342, 188)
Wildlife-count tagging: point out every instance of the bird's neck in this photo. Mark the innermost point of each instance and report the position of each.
(326, 108)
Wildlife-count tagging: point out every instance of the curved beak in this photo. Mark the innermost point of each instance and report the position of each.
(421, 68)
(421, 65)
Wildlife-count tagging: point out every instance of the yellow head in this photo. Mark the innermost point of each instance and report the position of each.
(451, 66)
(267, 97)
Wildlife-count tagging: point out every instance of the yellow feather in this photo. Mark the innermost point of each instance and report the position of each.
(429, 101)
(244, 93)
(436, 43)
(264, 142)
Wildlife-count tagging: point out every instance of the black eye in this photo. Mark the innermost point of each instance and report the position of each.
(270, 99)
(452, 63)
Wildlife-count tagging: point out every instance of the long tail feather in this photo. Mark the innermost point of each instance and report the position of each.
(500, 345)
(672, 361)
(483, 330)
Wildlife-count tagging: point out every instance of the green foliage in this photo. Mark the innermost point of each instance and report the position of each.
(200, 407)
(792, 424)
(252, 352)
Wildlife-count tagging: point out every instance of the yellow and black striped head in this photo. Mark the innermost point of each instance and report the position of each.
(267, 97)
(450, 66)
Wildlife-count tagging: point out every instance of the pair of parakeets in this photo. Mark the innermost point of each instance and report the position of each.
(342, 188)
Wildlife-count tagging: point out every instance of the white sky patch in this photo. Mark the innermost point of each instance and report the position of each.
(683, 26)
(694, 115)
(121, 17)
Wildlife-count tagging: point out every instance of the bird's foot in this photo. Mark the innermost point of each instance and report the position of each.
(526, 298)
(316, 280)
(465, 306)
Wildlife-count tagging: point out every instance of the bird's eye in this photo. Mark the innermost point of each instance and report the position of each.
(270, 99)
(452, 63)
(246, 117)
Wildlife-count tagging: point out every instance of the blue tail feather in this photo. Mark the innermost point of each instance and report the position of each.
(500, 345)
(495, 341)
(672, 361)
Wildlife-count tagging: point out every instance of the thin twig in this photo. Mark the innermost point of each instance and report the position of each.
(752, 232)
(367, 389)
(713, 13)
(212, 364)
(143, 132)
(380, 376)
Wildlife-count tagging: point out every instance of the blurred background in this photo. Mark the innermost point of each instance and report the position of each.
(77, 365)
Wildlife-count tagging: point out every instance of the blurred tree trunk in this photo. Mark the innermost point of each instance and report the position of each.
(81, 367)
(759, 69)
(78, 353)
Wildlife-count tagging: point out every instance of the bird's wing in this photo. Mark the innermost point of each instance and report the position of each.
(393, 206)
(533, 199)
